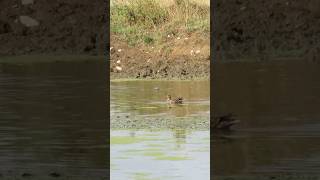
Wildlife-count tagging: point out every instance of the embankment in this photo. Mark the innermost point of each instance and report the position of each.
(34, 27)
(267, 30)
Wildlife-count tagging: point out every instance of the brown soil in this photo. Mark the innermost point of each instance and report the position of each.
(267, 29)
(64, 27)
(180, 57)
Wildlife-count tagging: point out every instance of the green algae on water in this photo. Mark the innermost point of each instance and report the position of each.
(172, 158)
(154, 154)
(128, 140)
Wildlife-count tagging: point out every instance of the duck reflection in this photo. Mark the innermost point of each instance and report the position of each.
(180, 137)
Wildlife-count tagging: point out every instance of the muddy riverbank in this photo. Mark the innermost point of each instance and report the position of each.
(266, 30)
(181, 57)
(53, 27)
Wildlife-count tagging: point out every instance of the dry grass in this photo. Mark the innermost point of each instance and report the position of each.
(150, 21)
(164, 2)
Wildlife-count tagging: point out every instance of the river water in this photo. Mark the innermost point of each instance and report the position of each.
(53, 120)
(278, 105)
(171, 150)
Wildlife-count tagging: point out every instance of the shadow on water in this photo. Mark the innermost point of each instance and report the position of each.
(53, 120)
(278, 105)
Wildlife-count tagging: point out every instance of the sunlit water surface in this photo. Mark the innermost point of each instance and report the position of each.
(161, 152)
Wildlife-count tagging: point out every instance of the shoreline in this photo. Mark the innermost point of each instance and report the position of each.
(157, 79)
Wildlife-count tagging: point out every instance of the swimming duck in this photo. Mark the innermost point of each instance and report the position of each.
(178, 100)
(224, 122)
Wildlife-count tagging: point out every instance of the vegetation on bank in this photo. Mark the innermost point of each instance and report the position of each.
(150, 22)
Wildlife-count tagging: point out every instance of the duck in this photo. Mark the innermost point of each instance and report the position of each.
(178, 100)
(224, 122)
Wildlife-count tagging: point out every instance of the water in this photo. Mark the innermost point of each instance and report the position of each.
(171, 150)
(53, 119)
(278, 105)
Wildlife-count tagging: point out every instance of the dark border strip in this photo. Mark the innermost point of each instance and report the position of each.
(107, 65)
(212, 61)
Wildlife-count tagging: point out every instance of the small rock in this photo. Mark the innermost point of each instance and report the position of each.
(197, 51)
(118, 68)
(168, 36)
(26, 2)
(28, 21)
(112, 50)
(118, 62)
(186, 38)
(178, 38)
(119, 50)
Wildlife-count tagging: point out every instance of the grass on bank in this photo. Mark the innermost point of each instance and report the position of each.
(151, 21)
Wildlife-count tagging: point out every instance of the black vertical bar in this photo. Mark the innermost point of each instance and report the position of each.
(212, 61)
(107, 55)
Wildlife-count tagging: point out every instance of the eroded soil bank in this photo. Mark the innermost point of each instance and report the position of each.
(185, 56)
(33, 27)
(267, 29)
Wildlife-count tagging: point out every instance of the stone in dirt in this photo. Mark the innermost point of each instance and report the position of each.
(28, 21)
(26, 2)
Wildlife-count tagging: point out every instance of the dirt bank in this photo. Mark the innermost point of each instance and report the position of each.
(267, 29)
(52, 27)
(184, 56)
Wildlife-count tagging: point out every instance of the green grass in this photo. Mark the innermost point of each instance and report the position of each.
(149, 22)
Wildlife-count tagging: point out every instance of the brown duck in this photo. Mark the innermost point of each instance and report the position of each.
(178, 100)
(224, 122)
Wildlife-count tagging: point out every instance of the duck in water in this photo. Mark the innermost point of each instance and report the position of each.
(224, 122)
(178, 100)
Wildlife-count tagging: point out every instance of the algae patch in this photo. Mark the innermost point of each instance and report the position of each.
(128, 140)
(154, 154)
(125, 140)
(172, 158)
